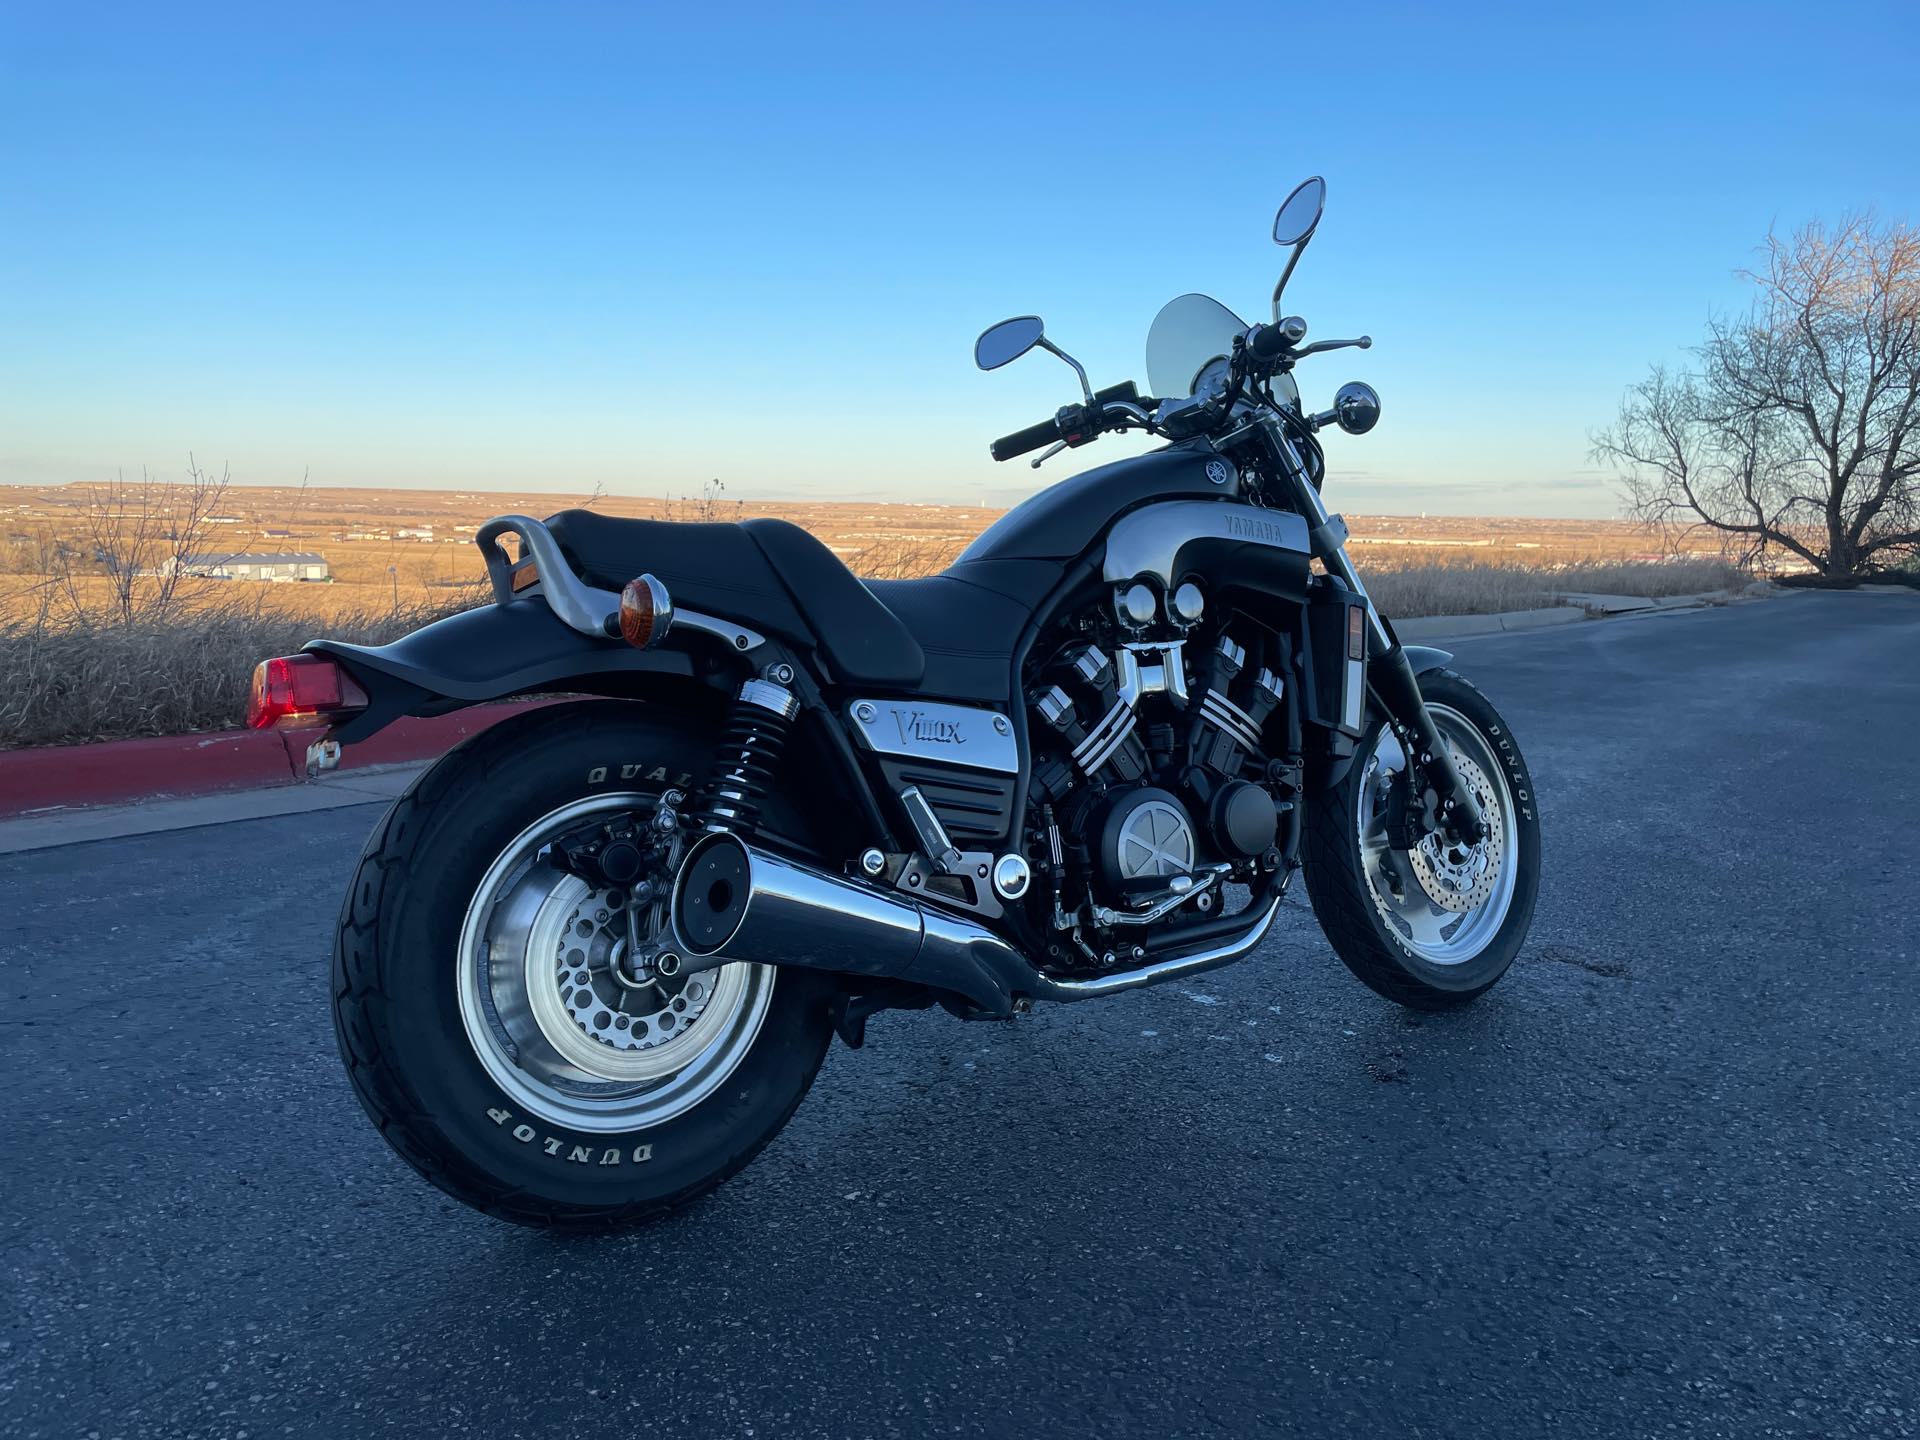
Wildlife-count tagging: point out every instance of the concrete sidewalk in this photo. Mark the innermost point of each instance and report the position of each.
(1573, 606)
(1462, 627)
(150, 817)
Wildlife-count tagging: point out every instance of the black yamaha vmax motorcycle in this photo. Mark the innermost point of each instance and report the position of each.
(592, 959)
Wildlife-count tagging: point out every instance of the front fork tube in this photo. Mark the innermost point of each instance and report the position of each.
(1388, 671)
(1393, 680)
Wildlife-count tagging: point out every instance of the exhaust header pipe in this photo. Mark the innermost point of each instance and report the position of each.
(734, 902)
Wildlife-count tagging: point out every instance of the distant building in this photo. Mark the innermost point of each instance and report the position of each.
(299, 565)
(416, 532)
(277, 534)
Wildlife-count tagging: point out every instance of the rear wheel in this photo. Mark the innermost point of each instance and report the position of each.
(485, 1013)
(1435, 925)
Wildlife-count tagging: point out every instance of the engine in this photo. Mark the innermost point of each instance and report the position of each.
(1153, 777)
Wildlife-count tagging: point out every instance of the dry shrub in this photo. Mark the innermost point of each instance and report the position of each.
(903, 557)
(1474, 587)
(71, 680)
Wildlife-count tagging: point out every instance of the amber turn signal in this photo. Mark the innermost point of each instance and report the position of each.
(646, 612)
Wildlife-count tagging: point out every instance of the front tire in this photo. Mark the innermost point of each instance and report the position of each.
(1436, 926)
(471, 984)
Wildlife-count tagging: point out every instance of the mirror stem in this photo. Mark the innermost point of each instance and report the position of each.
(1086, 390)
(1285, 275)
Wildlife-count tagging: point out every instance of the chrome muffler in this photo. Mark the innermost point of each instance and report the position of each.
(734, 902)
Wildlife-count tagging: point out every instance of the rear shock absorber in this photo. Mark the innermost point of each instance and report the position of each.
(751, 741)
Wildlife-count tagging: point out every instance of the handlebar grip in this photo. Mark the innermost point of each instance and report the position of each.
(1021, 441)
(1268, 342)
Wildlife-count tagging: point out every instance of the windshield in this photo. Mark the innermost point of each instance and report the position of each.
(1190, 334)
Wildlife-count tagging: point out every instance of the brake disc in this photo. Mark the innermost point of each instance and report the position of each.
(1460, 877)
(602, 1001)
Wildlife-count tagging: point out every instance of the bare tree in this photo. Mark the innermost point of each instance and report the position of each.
(37, 551)
(1800, 429)
(142, 536)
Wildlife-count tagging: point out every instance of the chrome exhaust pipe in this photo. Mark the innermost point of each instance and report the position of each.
(1159, 971)
(734, 902)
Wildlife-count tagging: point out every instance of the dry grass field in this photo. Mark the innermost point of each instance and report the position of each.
(79, 670)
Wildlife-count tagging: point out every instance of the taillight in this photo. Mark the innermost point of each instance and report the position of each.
(646, 612)
(294, 691)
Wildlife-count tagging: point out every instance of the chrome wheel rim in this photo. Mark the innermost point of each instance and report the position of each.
(1443, 903)
(554, 1021)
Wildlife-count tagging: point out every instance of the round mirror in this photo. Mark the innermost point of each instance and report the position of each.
(1357, 407)
(1007, 341)
(1300, 212)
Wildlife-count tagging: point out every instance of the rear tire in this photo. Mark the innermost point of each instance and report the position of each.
(419, 1047)
(1398, 941)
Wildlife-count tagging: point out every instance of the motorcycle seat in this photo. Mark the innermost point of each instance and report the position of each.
(769, 574)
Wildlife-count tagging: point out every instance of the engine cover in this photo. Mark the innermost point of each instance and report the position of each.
(1242, 819)
(1146, 838)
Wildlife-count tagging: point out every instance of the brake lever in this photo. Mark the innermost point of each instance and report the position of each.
(1365, 342)
(1048, 454)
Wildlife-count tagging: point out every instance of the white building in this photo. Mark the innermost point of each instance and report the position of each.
(300, 565)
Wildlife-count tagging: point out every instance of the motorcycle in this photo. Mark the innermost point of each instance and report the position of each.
(592, 959)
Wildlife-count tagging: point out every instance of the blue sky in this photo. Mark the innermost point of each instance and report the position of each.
(553, 246)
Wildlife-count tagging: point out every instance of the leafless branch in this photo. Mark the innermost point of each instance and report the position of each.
(1799, 431)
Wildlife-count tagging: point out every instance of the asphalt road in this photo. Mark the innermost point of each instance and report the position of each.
(1662, 1181)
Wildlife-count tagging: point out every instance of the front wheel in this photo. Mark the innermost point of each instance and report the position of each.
(485, 1015)
(1436, 925)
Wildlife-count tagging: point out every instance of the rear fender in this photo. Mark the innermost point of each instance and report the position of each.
(494, 652)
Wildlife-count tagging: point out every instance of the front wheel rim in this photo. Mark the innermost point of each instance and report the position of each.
(1444, 904)
(548, 1018)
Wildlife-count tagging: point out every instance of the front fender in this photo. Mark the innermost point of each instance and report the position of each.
(490, 653)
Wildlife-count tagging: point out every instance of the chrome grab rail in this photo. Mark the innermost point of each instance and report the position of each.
(586, 608)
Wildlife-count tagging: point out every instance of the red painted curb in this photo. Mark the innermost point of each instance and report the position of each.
(116, 772)
(121, 770)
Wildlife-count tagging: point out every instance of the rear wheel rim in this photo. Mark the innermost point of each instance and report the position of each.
(552, 1022)
(1444, 904)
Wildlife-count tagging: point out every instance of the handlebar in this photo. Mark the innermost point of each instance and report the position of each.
(1074, 424)
(1268, 343)
(1031, 438)
(1264, 351)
